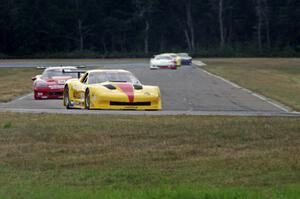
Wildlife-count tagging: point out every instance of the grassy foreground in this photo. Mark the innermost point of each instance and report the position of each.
(278, 79)
(15, 82)
(96, 156)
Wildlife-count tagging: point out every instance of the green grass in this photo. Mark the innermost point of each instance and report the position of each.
(93, 156)
(56, 192)
(278, 79)
(15, 82)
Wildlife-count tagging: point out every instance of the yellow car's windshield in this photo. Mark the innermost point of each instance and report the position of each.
(99, 77)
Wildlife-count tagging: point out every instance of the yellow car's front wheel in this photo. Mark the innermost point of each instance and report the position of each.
(87, 100)
(67, 101)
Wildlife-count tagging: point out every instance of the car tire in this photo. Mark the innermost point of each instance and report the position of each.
(67, 101)
(153, 67)
(35, 95)
(87, 100)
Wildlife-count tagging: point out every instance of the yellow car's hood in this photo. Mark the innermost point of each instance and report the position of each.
(129, 89)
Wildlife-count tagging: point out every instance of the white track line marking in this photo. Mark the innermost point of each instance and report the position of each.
(162, 113)
(263, 98)
(20, 98)
(199, 63)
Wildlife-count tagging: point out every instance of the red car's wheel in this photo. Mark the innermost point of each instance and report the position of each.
(36, 96)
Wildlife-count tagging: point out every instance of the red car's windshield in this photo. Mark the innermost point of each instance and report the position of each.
(48, 74)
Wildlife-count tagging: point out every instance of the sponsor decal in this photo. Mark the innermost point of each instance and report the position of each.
(81, 95)
(61, 81)
(94, 97)
(56, 86)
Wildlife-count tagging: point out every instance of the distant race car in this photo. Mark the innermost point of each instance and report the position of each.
(174, 56)
(110, 89)
(185, 58)
(163, 61)
(50, 84)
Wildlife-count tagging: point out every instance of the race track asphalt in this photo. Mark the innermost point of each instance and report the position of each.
(188, 90)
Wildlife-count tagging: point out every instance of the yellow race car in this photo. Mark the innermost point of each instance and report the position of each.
(110, 89)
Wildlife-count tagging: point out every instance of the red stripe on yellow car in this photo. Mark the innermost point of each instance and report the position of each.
(128, 90)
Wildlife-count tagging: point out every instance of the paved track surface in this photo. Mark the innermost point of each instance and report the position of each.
(188, 90)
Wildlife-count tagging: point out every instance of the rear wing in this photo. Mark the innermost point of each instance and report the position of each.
(41, 67)
(81, 66)
(79, 72)
(78, 67)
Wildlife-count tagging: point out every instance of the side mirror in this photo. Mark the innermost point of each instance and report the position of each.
(33, 78)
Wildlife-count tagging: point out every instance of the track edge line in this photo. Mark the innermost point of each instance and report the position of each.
(261, 97)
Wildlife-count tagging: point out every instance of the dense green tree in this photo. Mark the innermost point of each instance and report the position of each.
(30, 27)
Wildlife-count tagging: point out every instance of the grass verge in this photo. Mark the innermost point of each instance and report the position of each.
(92, 156)
(278, 79)
(15, 82)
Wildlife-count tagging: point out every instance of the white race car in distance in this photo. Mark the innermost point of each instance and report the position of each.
(163, 61)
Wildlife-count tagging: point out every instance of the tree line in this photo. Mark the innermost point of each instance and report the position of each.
(144, 27)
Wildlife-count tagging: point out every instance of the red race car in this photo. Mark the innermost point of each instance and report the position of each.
(50, 84)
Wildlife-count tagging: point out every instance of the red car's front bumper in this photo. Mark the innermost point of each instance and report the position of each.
(48, 93)
(173, 67)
